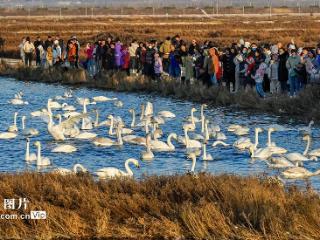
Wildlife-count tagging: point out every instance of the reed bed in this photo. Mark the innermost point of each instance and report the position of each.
(160, 207)
(304, 107)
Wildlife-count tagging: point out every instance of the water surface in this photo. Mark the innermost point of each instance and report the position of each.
(227, 160)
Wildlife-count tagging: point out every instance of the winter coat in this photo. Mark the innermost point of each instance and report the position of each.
(125, 58)
(228, 65)
(282, 70)
(259, 75)
(165, 49)
(117, 54)
(273, 70)
(291, 64)
(158, 69)
(150, 55)
(28, 47)
(133, 49)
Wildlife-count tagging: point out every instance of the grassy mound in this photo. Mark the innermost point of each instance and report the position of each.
(171, 207)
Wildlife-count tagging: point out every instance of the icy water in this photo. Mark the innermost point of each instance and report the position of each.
(227, 159)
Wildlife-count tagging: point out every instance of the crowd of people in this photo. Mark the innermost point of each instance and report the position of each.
(274, 68)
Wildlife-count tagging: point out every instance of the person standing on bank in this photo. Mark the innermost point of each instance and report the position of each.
(28, 49)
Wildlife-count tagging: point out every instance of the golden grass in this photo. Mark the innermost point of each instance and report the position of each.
(166, 207)
(221, 30)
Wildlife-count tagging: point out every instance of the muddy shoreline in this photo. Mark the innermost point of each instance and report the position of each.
(303, 108)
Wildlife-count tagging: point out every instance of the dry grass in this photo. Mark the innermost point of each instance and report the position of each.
(305, 107)
(175, 207)
(222, 30)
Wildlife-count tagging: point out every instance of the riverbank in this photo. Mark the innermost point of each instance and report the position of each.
(304, 107)
(167, 207)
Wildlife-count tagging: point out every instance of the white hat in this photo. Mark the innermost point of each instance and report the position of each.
(247, 44)
(55, 42)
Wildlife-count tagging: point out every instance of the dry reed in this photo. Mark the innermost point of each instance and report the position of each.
(164, 207)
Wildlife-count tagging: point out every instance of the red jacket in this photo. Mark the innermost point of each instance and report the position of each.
(125, 60)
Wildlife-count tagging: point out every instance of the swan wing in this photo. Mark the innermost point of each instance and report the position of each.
(109, 172)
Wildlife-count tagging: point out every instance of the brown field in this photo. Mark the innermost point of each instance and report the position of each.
(176, 207)
(222, 30)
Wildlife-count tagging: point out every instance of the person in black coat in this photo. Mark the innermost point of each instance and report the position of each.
(282, 70)
(228, 68)
(36, 44)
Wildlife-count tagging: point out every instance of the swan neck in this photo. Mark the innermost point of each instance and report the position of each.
(127, 167)
(192, 118)
(269, 138)
(15, 119)
(169, 141)
(119, 134)
(133, 123)
(142, 112)
(27, 157)
(194, 160)
(204, 151)
(207, 136)
(256, 142)
(111, 127)
(307, 147)
(97, 119)
(23, 123)
(186, 137)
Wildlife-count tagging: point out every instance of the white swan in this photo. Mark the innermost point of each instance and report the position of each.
(66, 171)
(166, 114)
(118, 104)
(261, 153)
(29, 156)
(103, 99)
(298, 157)
(107, 142)
(14, 128)
(313, 153)
(188, 142)
(56, 131)
(18, 101)
(206, 156)
(86, 135)
(65, 148)
(8, 135)
(298, 172)
(100, 124)
(133, 122)
(272, 146)
(217, 143)
(69, 108)
(245, 143)
(28, 131)
(53, 104)
(111, 172)
(307, 130)
(160, 146)
(192, 119)
(241, 131)
(86, 121)
(280, 162)
(193, 157)
(202, 117)
(41, 161)
(148, 154)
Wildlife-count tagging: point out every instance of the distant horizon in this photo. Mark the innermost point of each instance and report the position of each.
(157, 3)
